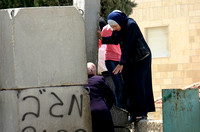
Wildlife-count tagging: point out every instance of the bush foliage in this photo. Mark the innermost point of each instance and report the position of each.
(108, 6)
(33, 3)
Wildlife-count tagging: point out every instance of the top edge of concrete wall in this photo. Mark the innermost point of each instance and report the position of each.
(14, 11)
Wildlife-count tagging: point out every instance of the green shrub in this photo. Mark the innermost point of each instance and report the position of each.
(4, 4)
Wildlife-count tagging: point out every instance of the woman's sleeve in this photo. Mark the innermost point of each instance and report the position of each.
(130, 42)
(113, 39)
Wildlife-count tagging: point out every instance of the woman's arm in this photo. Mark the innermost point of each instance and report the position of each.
(131, 39)
(113, 39)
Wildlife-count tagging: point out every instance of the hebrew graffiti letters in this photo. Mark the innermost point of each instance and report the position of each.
(31, 113)
(60, 103)
(52, 104)
(80, 130)
(72, 104)
(29, 128)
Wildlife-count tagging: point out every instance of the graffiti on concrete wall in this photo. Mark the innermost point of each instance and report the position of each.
(76, 102)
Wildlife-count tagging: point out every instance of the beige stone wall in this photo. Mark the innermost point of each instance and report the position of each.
(182, 17)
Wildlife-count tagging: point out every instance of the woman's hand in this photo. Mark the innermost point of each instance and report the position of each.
(118, 69)
(99, 32)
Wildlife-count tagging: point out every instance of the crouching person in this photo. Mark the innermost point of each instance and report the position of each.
(101, 101)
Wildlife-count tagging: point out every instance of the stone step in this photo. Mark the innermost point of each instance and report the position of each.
(121, 123)
(122, 130)
(120, 116)
(147, 126)
(120, 119)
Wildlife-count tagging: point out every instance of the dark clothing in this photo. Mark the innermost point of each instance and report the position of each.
(101, 101)
(138, 84)
(117, 79)
(102, 23)
(137, 76)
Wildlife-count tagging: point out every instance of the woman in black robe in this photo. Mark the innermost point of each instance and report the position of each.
(136, 75)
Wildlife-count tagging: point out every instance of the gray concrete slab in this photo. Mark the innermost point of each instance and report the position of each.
(42, 47)
(45, 110)
(119, 116)
(147, 126)
(91, 10)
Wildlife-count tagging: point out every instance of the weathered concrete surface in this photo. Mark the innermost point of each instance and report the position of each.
(120, 116)
(120, 119)
(122, 130)
(42, 47)
(91, 9)
(45, 109)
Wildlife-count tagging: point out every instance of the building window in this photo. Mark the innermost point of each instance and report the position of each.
(157, 39)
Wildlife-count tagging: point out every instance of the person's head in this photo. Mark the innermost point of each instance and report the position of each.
(91, 68)
(117, 19)
(102, 23)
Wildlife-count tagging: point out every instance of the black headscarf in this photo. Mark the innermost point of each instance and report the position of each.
(119, 17)
(102, 23)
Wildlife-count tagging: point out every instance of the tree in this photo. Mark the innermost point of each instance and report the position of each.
(108, 6)
(4, 4)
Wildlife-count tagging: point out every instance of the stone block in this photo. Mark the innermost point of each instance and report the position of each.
(90, 10)
(42, 47)
(148, 126)
(54, 109)
(109, 80)
(122, 130)
(119, 116)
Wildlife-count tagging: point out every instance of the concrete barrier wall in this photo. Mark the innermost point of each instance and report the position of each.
(91, 9)
(45, 110)
(42, 47)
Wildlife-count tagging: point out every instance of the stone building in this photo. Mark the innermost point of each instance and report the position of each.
(172, 30)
